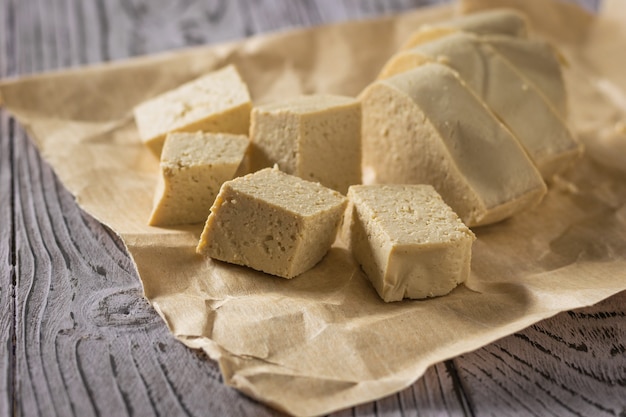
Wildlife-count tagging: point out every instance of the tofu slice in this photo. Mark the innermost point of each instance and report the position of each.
(193, 168)
(216, 102)
(315, 137)
(540, 62)
(409, 243)
(425, 126)
(272, 222)
(506, 22)
(511, 96)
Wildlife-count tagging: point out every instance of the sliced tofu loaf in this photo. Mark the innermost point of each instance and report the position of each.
(511, 96)
(426, 126)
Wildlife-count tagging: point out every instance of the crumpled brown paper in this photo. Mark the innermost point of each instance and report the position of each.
(324, 340)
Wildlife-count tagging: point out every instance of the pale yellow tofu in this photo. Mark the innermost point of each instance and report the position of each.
(409, 243)
(193, 168)
(507, 22)
(316, 137)
(425, 126)
(516, 100)
(272, 222)
(216, 102)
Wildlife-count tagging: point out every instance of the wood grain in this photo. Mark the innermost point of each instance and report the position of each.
(573, 364)
(6, 270)
(7, 253)
(77, 336)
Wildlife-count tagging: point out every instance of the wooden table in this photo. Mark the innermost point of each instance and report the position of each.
(76, 336)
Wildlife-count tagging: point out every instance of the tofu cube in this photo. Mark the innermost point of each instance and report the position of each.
(193, 168)
(316, 137)
(272, 222)
(409, 243)
(216, 102)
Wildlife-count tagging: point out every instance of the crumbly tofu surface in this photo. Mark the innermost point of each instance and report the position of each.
(272, 222)
(407, 240)
(511, 96)
(216, 102)
(193, 168)
(507, 22)
(316, 137)
(425, 126)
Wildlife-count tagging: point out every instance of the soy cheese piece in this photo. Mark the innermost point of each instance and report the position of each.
(193, 168)
(409, 243)
(315, 137)
(272, 222)
(216, 102)
(426, 126)
(507, 22)
(539, 62)
(512, 97)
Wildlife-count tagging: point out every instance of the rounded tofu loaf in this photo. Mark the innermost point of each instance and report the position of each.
(408, 241)
(216, 102)
(425, 126)
(272, 222)
(506, 22)
(193, 168)
(315, 137)
(510, 95)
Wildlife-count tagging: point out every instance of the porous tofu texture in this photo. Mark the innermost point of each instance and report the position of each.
(409, 243)
(426, 127)
(316, 137)
(216, 102)
(272, 222)
(193, 168)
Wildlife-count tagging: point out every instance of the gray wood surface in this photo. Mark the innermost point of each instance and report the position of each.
(6, 270)
(76, 336)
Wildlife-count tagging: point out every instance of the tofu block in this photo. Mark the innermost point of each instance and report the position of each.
(193, 168)
(425, 126)
(272, 222)
(216, 102)
(316, 137)
(510, 95)
(409, 243)
(506, 22)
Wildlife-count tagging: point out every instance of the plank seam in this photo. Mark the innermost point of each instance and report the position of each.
(459, 390)
(13, 252)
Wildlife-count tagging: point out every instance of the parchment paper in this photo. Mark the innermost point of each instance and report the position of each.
(324, 340)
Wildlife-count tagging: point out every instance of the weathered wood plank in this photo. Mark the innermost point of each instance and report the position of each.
(573, 364)
(6, 229)
(6, 269)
